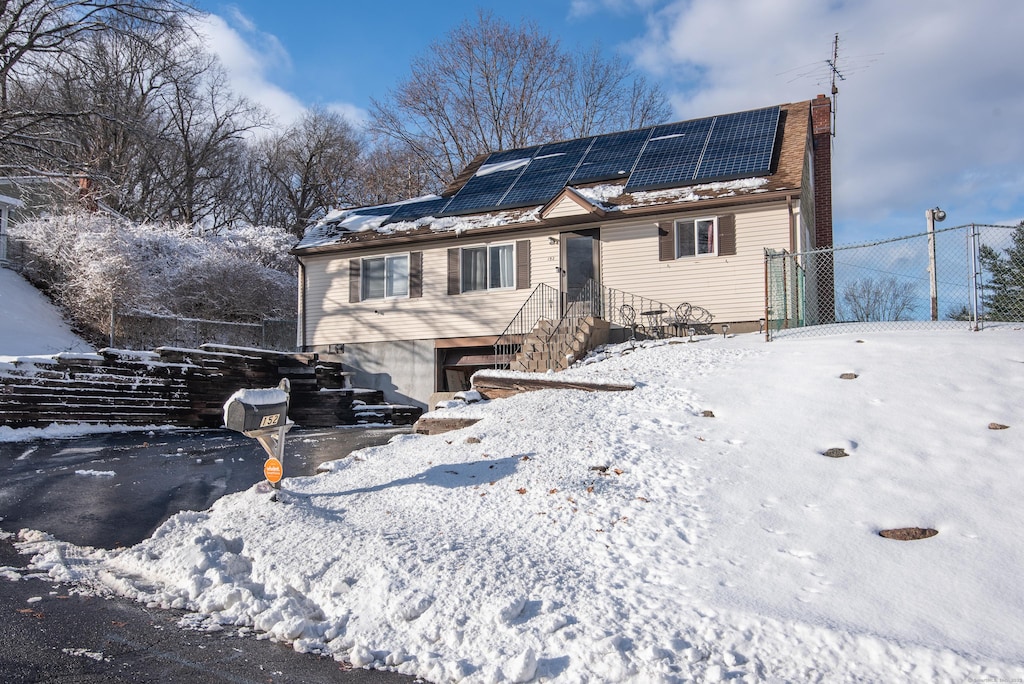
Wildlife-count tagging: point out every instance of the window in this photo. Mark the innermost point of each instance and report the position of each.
(488, 268)
(385, 277)
(698, 237)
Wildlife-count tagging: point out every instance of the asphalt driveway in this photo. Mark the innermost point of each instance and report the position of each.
(114, 490)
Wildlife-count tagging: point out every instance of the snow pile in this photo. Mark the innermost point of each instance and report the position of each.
(689, 529)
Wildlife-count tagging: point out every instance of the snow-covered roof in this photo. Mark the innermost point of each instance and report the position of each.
(11, 201)
(360, 225)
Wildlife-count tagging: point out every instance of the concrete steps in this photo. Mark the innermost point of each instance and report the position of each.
(551, 346)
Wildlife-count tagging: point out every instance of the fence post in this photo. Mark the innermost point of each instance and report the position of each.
(767, 321)
(975, 272)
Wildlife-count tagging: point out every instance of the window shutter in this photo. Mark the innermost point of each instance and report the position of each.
(727, 235)
(522, 264)
(666, 241)
(415, 274)
(353, 279)
(454, 276)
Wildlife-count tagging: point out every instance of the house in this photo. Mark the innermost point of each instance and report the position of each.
(25, 197)
(644, 232)
(8, 207)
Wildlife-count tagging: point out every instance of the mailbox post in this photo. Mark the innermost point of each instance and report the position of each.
(263, 415)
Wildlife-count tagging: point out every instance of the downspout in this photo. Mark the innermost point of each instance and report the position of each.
(792, 224)
(301, 332)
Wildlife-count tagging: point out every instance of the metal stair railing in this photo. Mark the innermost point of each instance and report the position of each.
(643, 317)
(542, 304)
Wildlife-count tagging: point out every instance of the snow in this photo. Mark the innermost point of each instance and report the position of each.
(29, 324)
(510, 165)
(608, 191)
(258, 397)
(338, 224)
(575, 536)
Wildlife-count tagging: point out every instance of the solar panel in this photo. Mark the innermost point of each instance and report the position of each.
(410, 211)
(484, 190)
(381, 210)
(610, 157)
(671, 155)
(740, 144)
(546, 174)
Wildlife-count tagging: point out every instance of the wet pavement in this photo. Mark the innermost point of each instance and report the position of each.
(114, 490)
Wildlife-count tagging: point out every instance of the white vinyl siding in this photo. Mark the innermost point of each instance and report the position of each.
(565, 207)
(332, 319)
(730, 287)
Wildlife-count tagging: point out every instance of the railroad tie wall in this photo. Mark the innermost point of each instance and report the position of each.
(183, 387)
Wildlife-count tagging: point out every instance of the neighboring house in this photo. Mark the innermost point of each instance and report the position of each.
(8, 207)
(23, 197)
(417, 294)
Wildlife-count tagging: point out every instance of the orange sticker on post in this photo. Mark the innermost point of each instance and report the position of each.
(272, 470)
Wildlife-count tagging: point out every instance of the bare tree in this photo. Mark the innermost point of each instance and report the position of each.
(877, 299)
(490, 85)
(314, 165)
(390, 172)
(32, 34)
(201, 138)
(487, 86)
(598, 94)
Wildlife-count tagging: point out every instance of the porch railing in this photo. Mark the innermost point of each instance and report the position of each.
(632, 315)
(542, 304)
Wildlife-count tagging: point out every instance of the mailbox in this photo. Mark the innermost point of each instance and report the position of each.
(251, 410)
(257, 410)
(263, 415)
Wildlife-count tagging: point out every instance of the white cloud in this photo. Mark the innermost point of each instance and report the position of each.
(929, 112)
(357, 116)
(253, 59)
(586, 8)
(249, 59)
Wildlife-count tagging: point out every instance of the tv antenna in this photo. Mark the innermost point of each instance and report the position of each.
(830, 72)
(833, 66)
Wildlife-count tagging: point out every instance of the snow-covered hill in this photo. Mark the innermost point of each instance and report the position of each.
(29, 323)
(604, 537)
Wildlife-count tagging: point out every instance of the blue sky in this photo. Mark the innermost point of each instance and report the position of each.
(931, 111)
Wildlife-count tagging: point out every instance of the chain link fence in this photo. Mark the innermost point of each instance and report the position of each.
(959, 277)
(146, 331)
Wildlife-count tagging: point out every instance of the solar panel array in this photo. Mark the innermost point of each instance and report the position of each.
(670, 155)
(547, 173)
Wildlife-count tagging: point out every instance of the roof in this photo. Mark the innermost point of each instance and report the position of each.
(779, 173)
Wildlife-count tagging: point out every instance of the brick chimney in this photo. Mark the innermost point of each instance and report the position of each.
(821, 121)
(87, 194)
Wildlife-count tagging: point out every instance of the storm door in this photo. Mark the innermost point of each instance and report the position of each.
(581, 258)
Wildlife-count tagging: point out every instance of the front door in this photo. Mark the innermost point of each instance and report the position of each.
(581, 254)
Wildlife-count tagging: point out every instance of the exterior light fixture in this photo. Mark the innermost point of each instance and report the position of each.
(691, 331)
(725, 329)
(760, 323)
(552, 240)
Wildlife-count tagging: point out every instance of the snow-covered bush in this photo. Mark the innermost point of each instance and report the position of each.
(91, 262)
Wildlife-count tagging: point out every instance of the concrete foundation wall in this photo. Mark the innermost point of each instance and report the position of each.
(403, 371)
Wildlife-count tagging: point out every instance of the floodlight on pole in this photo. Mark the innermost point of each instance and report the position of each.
(931, 216)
